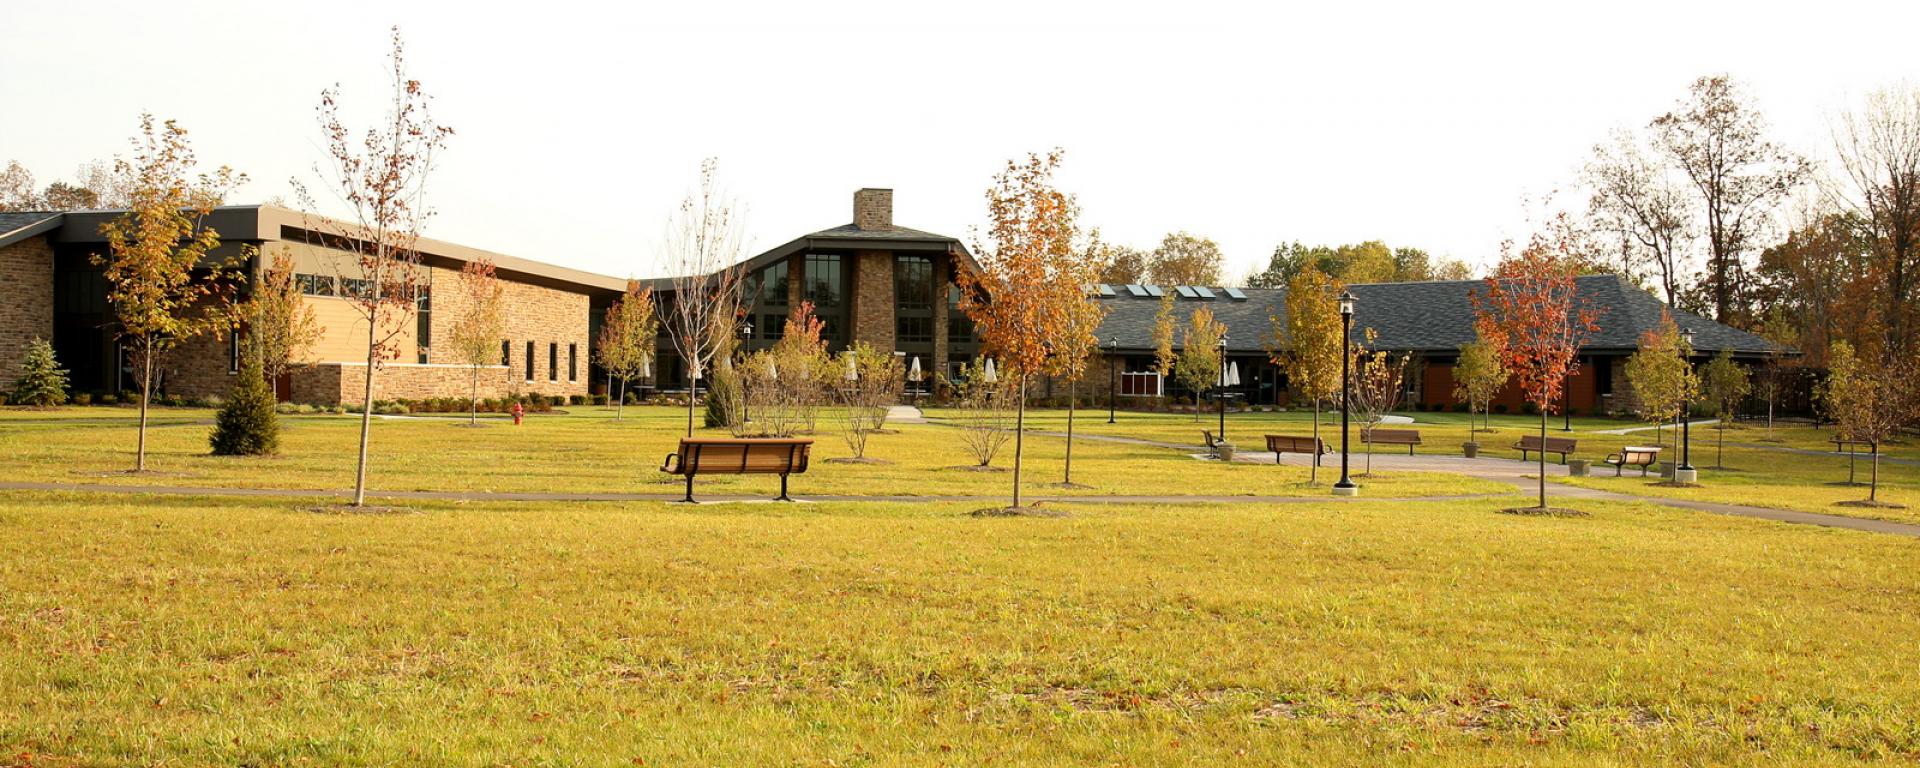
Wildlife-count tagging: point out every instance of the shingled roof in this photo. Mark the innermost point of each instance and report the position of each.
(17, 226)
(1418, 317)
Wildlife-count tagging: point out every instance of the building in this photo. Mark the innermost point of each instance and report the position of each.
(56, 291)
(1428, 321)
(868, 280)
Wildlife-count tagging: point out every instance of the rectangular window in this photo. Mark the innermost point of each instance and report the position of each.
(506, 353)
(823, 279)
(529, 361)
(911, 330)
(315, 285)
(773, 326)
(553, 361)
(913, 282)
(356, 287)
(773, 285)
(573, 362)
(233, 352)
(423, 328)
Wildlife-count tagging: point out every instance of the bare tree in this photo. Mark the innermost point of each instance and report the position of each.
(1717, 138)
(482, 322)
(702, 252)
(380, 176)
(986, 419)
(1638, 200)
(1879, 150)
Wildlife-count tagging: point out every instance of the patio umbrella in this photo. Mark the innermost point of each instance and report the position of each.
(853, 373)
(913, 371)
(990, 376)
(1233, 374)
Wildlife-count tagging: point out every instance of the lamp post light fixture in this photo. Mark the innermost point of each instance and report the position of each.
(1113, 374)
(1345, 486)
(1220, 389)
(1685, 474)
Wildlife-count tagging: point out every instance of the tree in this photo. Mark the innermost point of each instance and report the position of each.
(870, 384)
(1478, 375)
(1123, 265)
(1870, 396)
(1163, 353)
(159, 295)
(1663, 381)
(1077, 343)
(17, 189)
(246, 424)
(381, 177)
(1531, 309)
(1185, 259)
(42, 381)
(1309, 344)
(628, 336)
(1717, 138)
(475, 338)
(702, 251)
(1198, 367)
(1879, 149)
(1030, 276)
(281, 326)
(1820, 280)
(1379, 382)
(985, 422)
(1639, 202)
(1725, 383)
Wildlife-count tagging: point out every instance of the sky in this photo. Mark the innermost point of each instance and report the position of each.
(580, 126)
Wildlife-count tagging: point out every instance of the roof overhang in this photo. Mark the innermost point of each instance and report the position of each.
(40, 227)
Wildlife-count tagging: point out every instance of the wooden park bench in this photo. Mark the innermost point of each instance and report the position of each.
(1307, 444)
(1536, 444)
(1849, 445)
(1378, 436)
(1212, 443)
(1633, 456)
(739, 456)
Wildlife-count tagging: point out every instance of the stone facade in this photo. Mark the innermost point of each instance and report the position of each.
(26, 280)
(873, 299)
(873, 209)
(545, 316)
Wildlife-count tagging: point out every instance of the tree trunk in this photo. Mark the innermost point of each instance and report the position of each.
(693, 385)
(1720, 450)
(1543, 459)
(619, 411)
(146, 395)
(473, 399)
(610, 389)
(1019, 433)
(1313, 467)
(366, 411)
(1071, 400)
(1873, 489)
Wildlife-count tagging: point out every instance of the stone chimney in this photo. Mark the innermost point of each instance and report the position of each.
(873, 208)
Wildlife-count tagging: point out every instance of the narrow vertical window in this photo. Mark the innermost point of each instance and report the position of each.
(573, 362)
(506, 352)
(553, 361)
(233, 352)
(529, 361)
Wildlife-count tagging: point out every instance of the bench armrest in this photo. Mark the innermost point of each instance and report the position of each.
(667, 466)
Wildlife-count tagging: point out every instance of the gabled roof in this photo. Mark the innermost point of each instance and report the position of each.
(18, 226)
(1424, 317)
(851, 237)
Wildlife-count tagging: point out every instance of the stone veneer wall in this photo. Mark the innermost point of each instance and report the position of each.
(337, 383)
(544, 316)
(26, 312)
(873, 299)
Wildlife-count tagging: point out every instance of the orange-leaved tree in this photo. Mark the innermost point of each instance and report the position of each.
(381, 177)
(1531, 309)
(160, 294)
(1030, 288)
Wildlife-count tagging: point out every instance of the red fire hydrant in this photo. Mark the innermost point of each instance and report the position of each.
(518, 414)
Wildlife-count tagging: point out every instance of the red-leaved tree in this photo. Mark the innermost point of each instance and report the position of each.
(1532, 311)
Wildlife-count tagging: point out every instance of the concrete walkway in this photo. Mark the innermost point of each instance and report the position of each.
(905, 414)
(1631, 430)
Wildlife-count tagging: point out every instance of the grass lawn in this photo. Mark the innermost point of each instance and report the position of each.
(586, 451)
(178, 631)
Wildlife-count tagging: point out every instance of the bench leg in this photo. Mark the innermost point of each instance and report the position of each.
(783, 489)
(689, 498)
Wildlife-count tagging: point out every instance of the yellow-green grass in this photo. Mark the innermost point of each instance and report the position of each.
(177, 631)
(586, 451)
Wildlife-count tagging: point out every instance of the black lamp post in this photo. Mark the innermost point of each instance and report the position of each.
(1113, 374)
(1220, 388)
(1686, 413)
(1345, 487)
(746, 334)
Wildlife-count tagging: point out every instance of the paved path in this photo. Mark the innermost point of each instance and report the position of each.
(905, 414)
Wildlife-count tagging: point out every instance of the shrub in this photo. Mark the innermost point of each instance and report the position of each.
(1500, 408)
(577, 400)
(246, 424)
(107, 399)
(42, 381)
(598, 400)
(82, 398)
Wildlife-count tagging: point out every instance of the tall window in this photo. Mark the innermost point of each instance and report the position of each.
(573, 362)
(424, 330)
(506, 352)
(826, 284)
(529, 361)
(959, 326)
(233, 352)
(773, 285)
(913, 282)
(553, 361)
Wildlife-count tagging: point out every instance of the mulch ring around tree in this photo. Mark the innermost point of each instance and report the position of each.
(1033, 510)
(854, 460)
(974, 468)
(1067, 486)
(1545, 512)
(349, 509)
(1673, 484)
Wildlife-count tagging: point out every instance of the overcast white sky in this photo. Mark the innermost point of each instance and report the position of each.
(580, 126)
